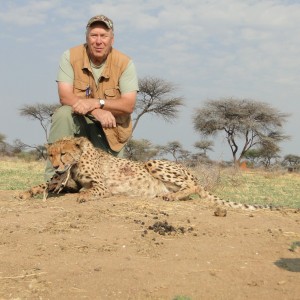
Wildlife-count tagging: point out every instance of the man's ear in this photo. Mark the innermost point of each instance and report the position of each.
(113, 39)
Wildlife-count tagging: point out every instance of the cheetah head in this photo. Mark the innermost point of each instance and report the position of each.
(65, 153)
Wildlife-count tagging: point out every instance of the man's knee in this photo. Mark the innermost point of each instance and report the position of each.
(64, 112)
(62, 124)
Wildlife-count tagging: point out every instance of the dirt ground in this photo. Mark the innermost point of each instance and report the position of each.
(120, 248)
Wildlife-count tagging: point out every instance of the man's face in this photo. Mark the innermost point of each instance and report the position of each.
(99, 40)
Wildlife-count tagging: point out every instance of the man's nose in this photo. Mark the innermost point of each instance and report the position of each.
(99, 40)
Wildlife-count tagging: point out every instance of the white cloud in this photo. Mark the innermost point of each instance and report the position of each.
(210, 48)
(31, 13)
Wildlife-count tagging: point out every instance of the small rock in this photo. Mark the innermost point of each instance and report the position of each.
(220, 212)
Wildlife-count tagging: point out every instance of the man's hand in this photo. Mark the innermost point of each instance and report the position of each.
(84, 106)
(105, 117)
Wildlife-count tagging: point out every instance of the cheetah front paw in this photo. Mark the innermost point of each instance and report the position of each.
(168, 198)
(24, 195)
(83, 197)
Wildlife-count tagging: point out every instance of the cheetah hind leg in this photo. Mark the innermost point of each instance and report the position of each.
(183, 194)
(93, 192)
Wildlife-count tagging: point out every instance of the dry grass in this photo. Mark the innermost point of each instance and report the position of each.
(276, 188)
(17, 174)
(260, 187)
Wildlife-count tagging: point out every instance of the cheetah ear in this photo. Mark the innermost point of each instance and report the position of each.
(79, 142)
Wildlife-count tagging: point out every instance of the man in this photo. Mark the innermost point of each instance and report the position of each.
(97, 87)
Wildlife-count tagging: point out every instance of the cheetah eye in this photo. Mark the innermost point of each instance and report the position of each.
(63, 153)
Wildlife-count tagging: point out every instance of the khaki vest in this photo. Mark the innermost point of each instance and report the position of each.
(108, 88)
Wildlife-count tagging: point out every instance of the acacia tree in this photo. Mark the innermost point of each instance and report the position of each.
(291, 161)
(204, 145)
(2, 138)
(140, 150)
(155, 97)
(41, 112)
(268, 151)
(39, 150)
(175, 149)
(2, 143)
(245, 123)
(253, 156)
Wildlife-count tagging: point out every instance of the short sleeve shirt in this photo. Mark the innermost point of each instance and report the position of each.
(128, 81)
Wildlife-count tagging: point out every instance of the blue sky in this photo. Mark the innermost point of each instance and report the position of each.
(210, 49)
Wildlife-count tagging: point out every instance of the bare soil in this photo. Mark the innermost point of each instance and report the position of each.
(121, 248)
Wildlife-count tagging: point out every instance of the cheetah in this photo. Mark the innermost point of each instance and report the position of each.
(96, 174)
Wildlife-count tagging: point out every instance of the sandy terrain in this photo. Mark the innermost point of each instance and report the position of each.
(120, 248)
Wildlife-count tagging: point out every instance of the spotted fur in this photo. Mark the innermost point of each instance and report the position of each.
(99, 174)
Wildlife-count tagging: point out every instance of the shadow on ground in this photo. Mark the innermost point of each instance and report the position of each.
(289, 264)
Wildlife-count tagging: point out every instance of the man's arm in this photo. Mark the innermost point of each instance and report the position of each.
(124, 105)
(106, 116)
(65, 93)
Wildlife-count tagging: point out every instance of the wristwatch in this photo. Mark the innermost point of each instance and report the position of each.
(102, 103)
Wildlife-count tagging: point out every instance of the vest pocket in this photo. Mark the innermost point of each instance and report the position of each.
(80, 88)
(124, 131)
(111, 93)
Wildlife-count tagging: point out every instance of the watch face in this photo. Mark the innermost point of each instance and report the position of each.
(102, 102)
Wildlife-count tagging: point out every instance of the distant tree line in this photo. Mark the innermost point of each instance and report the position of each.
(253, 130)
